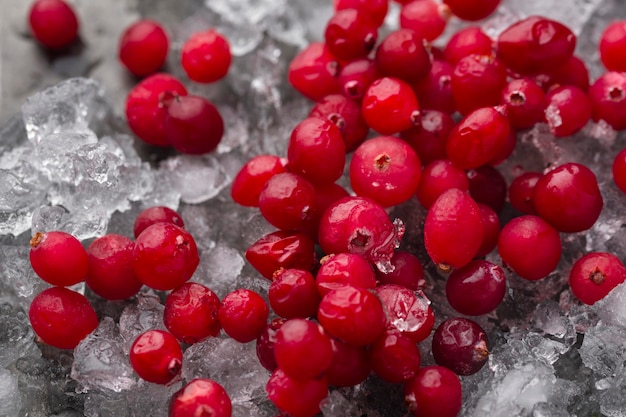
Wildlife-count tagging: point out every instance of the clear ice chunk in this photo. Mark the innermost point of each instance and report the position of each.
(197, 178)
(10, 399)
(146, 314)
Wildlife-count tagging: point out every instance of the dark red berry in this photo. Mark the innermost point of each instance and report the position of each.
(460, 344)
(200, 396)
(293, 293)
(243, 315)
(472, 9)
(356, 77)
(619, 170)
(477, 288)
(314, 71)
(58, 258)
(265, 344)
(434, 392)
(407, 272)
(394, 357)
(143, 47)
(156, 356)
(487, 186)
(206, 57)
(465, 42)
(350, 365)
(402, 55)
(595, 275)
(281, 249)
(434, 92)
(521, 192)
(429, 138)
(491, 228)
(346, 114)
(295, 397)
(53, 23)
(406, 311)
(477, 82)
(193, 125)
(573, 72)
(156, 214)
(350, 34)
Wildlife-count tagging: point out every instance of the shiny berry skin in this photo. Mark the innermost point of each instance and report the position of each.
(191, 313)
(525, 102)
(394, 357)
(165, 256)
(339, 269)
(312, 140)
(595, 275)
(350, 365)
(111, 274)
(521, 192)
(206, 57)
(487, 186)
(243, 315)
(535, 45)
(406, 311)
(472, 10)
(314, 71)
(526, 235)
(281, 249)
(568, 197)
(434, 392)
(265, 344)
(385, 169)
(156, 356)
(453, 230)
(506, 149)
(53, 23)
(612, 44)
(608, 99)
(251, 178)
(376, 9)
(389, 106)
(477, 288)
(491, 229)
(568, 110)
(193, 125)
(407, 272)
(297, 398)
(146, 109)
(477, 82)
(287, 202)
(350, 34)
(426, 17)
(477, 138)
(573, 72)
(358, 225)
(356, 76)
(434, 92)
(302, 349)
(467, 41)
(200, 396)
(156, 214)
(326, 195)
(345, 113)
(62, 317)
(429, 138)
(58, 258)
(352, 315)
(460, 344)
(438, 177)
(293, 293)
(402, 55)
(619, 170)
(143, 47)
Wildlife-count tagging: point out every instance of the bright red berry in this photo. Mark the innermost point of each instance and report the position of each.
(58, 258)
(293, 293)
(295, 397)
(193, 125)
(339, 269)
(206, 57)
(402, 55)
(350, 34)
(407, 311)
(434, 392)
(265, 344)
(477, 288)
(251, 178)
(389, 106)
(611, 47)
(350, 365)
(429, 138)
(53, 23)
(467, 41)
(608, 99)
(619, 170)
(394, 357)
(198, 397)
(243, 315)
(356, 77)
(477, 82)
(156, 356)
(407, 272)
(525, 102)
(460, 344)
(438, 177)
(472, 10)
(595, 275)
(573, 72)
(521, 192)
(143, 47)
(568, 110)
(281, 249)
(313, 72)
(156, 214)
(376, 9)
(426, 17)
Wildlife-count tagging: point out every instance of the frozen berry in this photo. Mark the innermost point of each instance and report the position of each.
(243, 315)
(389, 106)
(58, 258)
(472, 9)
(156, 356)
(394, 357)
(407, 311)
(156, 214)
(612, 43)
(251, 178)
(198, 397)
(53, 23)
(477, 288)
(314, 71)
(407, 272)
(205, 56)
(434, 392)
(281, 249)
(350, 34)
(595, 275)
(143, 47)
(427, 18)
(293, 293)
(460, 344)
(295, 397)
(193, 125)
(568, 110)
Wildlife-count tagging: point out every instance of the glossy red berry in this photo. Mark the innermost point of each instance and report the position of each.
(619, 170)
(535, 45)
(487, 186)
(434, 392)
(111, 274)
(193, 125)
(350, 365)
(287, 201)
(376, 9)
(453, 230)
(265, 344)
(402, 55)
(525, 102)
(302, 349)
(156, 214)
(467, 41)
(407, 272)
(314, 71)
(389, 106)
(460, 344)
(58, 258)
(491, 228)
(53, 23)
(530, 235)
(506, 149)
(569, 198)
(472, 9)
(345, 113)
(143, 47)
(339, 269)
(608, 99)
(352, 315)
(425, 17)
(477, 82)
(243, 315)
(146, 109)
(573, 72)
(293, 293)
(191, 313)
(251, 178)
(521, 192)
(295, 397)
(385, 169)
(165, 256)
(350, 34)
(568, 110)
(394, 357)
(281, 249)
(611, 47)
(356, 76)
(156, 356)
(434, 92)
(406, 311)
(200, 396)
(477, 288)
(62, 317)
(206, 57)
(429, 138)
(438, 177)
(595, 275)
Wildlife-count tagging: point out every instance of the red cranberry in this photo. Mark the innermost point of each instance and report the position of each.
(243, 315)
(356, 77)
(434, 392)
(407, 272)
(487, 186)
(426, 17)
(407, 311)
(525, 102)
(326, 195)
(477, 82)
(350, 34)
(193, 125)
(350, 365)
(156, 356)
(58, 258)
(346, 114)
(293, 293)
(491, 229)
(62, 317)
(595, 275)
(376, 9)
(460, 344)
(251, 179)
(281, 249)
(608, 99)
(428, 139)
(612, 44)
(295, 397)
(402, 54)
(573, 72)
(521, 192)
(535, 45)
(568, 110)
(111, 274)
(394, 357)
(568, 197)
(143, 47)
(434, 92)
(265, 344)
(477, 288)
(438, 177)
(339, 269)
(191, 313)
(313, 72)
(619, 170)
(200, 396)
(472, 10)
(165, 256)
(506, 149)
(389, 106)
(385, 169)
(530, 246)
(453, 230)
(465, 42)
(53, 23)
(206, 57)
(156, 214)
